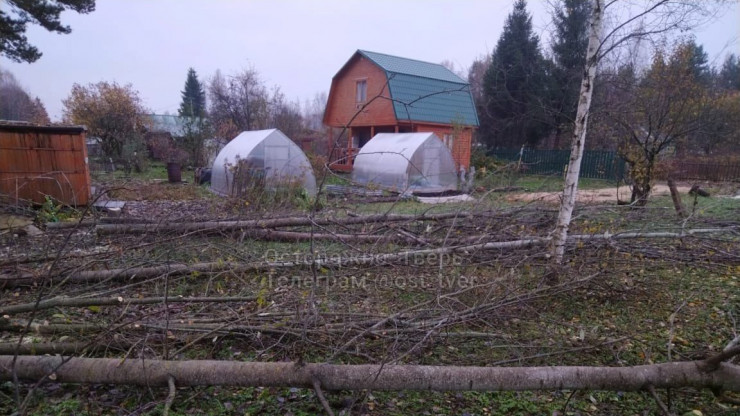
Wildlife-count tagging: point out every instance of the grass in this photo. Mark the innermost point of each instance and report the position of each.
(645, 296)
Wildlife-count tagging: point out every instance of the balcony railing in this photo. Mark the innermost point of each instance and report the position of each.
(342, 158)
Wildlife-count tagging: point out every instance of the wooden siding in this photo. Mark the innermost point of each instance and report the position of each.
(461, 144)
(39, 162)
(342, 104)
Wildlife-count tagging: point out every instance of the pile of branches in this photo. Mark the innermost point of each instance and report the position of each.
(154, 291)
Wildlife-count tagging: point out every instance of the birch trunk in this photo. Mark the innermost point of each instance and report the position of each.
(570, 190)
(151, 373)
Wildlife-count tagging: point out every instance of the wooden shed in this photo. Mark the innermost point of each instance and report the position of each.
(36, 161)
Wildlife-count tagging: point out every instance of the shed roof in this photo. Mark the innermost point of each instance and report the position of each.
(424, 91)
(25, 127)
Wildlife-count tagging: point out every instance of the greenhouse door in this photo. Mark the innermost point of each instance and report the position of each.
(276, 160)
(431, 154)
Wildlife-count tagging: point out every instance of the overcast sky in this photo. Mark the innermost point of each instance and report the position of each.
(297, 45)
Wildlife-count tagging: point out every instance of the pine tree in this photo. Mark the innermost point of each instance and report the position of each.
(193, 97)
(729, 75)
(514, 86)
(569, 43)
(18, 13)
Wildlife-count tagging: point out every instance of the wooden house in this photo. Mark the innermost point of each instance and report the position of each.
(378, 93)
(40, 161)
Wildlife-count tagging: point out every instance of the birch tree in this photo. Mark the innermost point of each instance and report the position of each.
(639, 20)
(570, 190)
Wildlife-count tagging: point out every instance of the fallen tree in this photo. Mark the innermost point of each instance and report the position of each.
(171, 269)
(222, 226)
(698, 374)
(86, 302)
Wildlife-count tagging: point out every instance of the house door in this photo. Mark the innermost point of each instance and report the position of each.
(361, 135)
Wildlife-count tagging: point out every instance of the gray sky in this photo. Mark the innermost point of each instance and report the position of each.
(297, 45)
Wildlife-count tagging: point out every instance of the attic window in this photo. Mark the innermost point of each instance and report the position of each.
(361, 91)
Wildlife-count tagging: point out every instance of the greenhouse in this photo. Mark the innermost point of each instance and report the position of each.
(263, 159)
(406, 162)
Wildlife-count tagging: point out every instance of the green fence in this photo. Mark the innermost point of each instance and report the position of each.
(595, 164)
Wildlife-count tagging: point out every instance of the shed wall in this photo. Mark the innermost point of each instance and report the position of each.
(38, 163)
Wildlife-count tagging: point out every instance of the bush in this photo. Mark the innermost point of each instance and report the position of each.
(484, 163)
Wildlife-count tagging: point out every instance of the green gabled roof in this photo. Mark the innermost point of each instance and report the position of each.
(399, 65)
(423, 91)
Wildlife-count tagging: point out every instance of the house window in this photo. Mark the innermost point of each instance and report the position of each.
(449, 141)
(361, 91)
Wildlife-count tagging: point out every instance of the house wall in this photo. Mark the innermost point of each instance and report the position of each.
(35, 162)
(342, 104)
(461, 144)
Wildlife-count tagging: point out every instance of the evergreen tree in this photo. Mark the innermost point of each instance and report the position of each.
(18, 13)
(193, 97)
(694, 59)
(569, 43)
(514, 86)
(729, 75)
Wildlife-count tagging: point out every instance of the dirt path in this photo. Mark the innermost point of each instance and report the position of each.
(593, 196)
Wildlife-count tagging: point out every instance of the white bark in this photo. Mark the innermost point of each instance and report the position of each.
(698, 374)
(570, 190)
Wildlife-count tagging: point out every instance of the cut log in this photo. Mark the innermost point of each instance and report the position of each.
(696, 190)
(85, 302)
(152, 373)
(33, 348)
(139, 273)
(220, 226)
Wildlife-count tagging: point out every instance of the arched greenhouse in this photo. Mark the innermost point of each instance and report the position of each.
(406, 162)
(261, 159)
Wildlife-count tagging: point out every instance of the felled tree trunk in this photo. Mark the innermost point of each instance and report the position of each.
(697, 374)
(406, 256)
(215, 226)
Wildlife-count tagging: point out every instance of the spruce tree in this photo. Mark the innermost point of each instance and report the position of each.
(698, 62)
(514, 86)
(569, 42)
(193, 97)
(729, 75)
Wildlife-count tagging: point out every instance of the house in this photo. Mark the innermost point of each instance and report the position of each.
(162, 132)
(378, 93)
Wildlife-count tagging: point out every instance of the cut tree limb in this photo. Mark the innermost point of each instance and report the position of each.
(371, 377)
(85, 302)
(696, 189)
(33, 348)
(140, 273)
(221, 226)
